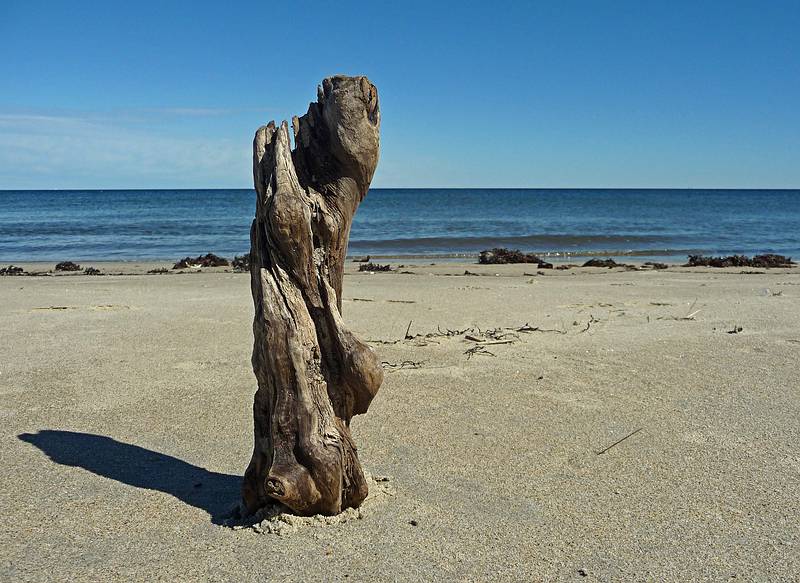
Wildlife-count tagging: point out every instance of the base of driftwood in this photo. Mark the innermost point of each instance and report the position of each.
(276, 518)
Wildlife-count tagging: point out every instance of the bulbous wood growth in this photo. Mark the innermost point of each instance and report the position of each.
(313, 373)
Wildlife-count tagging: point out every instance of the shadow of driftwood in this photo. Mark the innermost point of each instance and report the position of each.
(136, 466)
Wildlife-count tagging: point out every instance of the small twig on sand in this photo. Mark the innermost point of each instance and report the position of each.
(528, 329)
(404, 364)
(477, 349)
(690, 316)
(735, 330)
(407, 337)
(631, 434)
(591, 321)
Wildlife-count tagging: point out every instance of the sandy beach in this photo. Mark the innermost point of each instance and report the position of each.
(126, 415)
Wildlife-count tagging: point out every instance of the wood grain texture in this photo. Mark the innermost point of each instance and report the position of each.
(313, 373)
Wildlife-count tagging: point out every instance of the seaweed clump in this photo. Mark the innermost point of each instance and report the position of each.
(766, 260)
(241, 262)
(208, 260)
(374, 267)
(609, 263)
(498, 256)
(602, 263)
(91, 271)
(12, 270)
(67, 266)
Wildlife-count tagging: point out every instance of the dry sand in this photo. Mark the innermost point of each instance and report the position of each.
(126, 420)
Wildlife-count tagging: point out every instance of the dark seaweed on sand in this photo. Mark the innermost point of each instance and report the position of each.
(374, 267)
(208, 260)
(500, 256)
(766, 260)
(609, 263)
(12, 270)
(602, 263)
(241, 262)
(67, 266)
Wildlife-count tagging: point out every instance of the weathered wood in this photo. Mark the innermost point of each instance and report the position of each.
(313, 373)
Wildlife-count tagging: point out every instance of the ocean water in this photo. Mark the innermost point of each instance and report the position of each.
(437, 223)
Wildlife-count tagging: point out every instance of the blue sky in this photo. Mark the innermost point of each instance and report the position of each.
(473, 94)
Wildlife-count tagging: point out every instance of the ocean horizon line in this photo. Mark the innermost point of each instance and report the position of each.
(437, 188)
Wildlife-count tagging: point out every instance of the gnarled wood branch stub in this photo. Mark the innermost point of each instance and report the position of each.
(313, 373)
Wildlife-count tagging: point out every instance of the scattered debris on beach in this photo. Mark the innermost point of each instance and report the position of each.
(92, 271)
(12, 270)
(374, 267)
(241, 263)
(766, 260)
(498, 256)
(67, 266)
(159, 271)
(486, 337)
(735, 330)
(655, 265)
(208, 260)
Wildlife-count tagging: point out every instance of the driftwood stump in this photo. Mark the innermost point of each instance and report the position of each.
(313, 373)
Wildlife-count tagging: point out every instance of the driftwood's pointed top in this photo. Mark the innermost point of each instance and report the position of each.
(340, 132)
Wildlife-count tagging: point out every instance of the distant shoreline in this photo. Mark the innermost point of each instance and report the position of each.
(400, 268)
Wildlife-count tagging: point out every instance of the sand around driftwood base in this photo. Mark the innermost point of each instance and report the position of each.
(278, 519)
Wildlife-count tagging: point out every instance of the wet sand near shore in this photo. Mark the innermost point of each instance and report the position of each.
(534, 425)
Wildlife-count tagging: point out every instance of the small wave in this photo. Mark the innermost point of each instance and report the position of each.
(553, 255)
(528, 242)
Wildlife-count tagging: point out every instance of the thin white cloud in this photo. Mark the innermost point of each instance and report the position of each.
(53, 151)
(25, 120)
